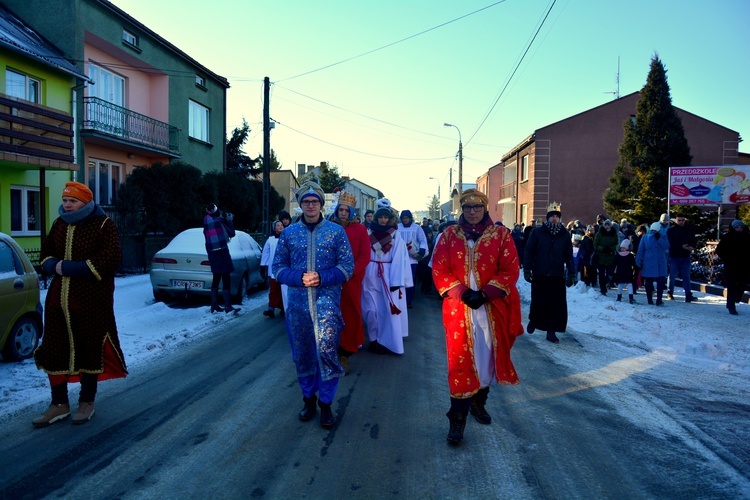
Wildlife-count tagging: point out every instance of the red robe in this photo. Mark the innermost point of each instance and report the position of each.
(353, 334)
(496, 270)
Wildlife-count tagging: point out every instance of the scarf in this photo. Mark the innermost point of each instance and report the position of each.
(80, 214)
(474, 231)
(553, 228)
(381, 238)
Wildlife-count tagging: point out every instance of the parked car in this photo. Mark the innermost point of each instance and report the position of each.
(182, 269)
(20, 309)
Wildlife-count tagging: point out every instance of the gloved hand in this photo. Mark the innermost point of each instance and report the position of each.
(570, 281)
(527, 275)
(394, 288)
(229, 216)
(473, 298)
(657, 235)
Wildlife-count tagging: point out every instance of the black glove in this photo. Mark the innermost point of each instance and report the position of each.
(394, 288)
(228, 216)
(527, 275)
(473, 298)
(657, 235)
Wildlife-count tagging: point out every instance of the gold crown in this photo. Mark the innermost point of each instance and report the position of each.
(347, 199)
(554, 207)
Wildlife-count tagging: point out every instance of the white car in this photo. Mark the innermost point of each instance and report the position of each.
(181, 268)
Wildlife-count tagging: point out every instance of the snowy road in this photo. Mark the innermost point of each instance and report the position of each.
(593, 418)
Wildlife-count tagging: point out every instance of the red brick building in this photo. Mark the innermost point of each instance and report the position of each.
(571, 161)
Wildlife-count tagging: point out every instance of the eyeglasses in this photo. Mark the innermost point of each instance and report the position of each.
(474, 208)
(310, 203)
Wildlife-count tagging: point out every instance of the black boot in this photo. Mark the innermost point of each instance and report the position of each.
(552, 337)
(308, 411)
(457, 426)
(326, 415)
(215, 301)
(228, 302)
(477, 406)
(631, 299)
(619, 297)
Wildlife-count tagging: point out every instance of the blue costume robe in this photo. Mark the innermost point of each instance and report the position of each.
(313, 315)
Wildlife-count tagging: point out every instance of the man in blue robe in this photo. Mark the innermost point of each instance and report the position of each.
(313, 258)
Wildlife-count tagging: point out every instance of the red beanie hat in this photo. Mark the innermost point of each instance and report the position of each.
(78, 191)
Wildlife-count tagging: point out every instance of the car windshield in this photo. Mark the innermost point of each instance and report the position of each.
(192, 241)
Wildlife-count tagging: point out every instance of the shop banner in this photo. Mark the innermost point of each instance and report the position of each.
(709, 185)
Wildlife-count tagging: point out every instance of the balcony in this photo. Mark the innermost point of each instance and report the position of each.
(30, 132)
(507, 192)
(131, 130)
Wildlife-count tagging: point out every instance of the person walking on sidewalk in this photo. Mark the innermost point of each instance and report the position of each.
(416, 244)
(275, 300)
(80, 341)
(734, 249)
(314, 258)
(475, 270)
(682, 242)
(652, 260)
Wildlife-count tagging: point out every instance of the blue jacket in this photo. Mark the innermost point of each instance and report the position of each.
(652, 256)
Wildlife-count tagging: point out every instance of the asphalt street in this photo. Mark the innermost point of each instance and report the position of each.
(218, 419)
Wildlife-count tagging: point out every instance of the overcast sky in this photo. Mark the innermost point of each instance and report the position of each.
(367, 86)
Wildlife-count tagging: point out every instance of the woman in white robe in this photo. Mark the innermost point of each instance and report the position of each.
(383, 288)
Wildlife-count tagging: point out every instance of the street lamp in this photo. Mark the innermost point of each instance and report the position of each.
(438, 181)
(460, 160)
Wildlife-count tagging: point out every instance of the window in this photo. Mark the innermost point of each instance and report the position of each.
(24, 211)
(104, 179)
(107, 85)
(22, 86)
(198, 127)
(200, 81)
(129, 38)
(524, 215)
(525, 168)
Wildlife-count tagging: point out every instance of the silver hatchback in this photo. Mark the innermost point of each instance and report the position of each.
(181, 268)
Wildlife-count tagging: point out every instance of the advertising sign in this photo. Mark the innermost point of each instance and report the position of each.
(709, 185)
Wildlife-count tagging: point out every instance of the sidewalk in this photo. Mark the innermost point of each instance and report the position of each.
(711, 289)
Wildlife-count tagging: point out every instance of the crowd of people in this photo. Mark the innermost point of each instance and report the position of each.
(343, 285)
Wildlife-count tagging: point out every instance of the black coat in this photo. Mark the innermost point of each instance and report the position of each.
(548, 254)
(678, 236)
(734, 251)
(624, 268)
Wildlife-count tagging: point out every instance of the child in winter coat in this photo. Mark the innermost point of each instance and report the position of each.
(577, 254)
(624, 271)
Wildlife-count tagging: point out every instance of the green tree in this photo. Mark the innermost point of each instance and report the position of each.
(237, 160)
(433, 207)
(653, 143)
(328, 178)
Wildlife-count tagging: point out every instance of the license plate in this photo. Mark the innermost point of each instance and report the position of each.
(189, 284)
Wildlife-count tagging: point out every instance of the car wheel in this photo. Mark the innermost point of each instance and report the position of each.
(22, 340)
(159, 295)
(241, 290)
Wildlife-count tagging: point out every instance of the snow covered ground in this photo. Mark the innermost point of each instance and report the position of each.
(687, 340)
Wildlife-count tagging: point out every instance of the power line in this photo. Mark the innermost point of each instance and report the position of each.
(392, 43)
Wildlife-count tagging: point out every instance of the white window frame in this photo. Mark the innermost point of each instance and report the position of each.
(32, 87)
(108, 86)
(524, 213)
(199, 121)
(200, 81)
(129, 38)
(25, 230)
(525, 168)
(105, 193)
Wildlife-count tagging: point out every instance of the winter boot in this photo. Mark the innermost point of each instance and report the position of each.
(308, 411)
(631, 299)
(552, 337)
(649, 299)
(228, 302)
(457, 426)
(269, 312)
(619, 297)
(477, 406)
(215, 301)
(326, 415)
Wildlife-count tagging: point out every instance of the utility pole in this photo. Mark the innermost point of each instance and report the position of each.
(265, 216)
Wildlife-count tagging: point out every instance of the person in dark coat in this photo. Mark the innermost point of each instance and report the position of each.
(518, 239)
(682, 242)
(605, 246)
(218, 230)
(623, 271)
(80, 342)
(547, 257)
(586, 251)
(734, 251)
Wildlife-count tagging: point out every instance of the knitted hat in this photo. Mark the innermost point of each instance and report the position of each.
(664, 218)
(406, 213)
(656, 227)
(625, 244)
(607, 222)
(473, 196)
(737, 223)
(308, 189)
(383, 203)
(211, 209)
(78, 191)
(284, 215)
